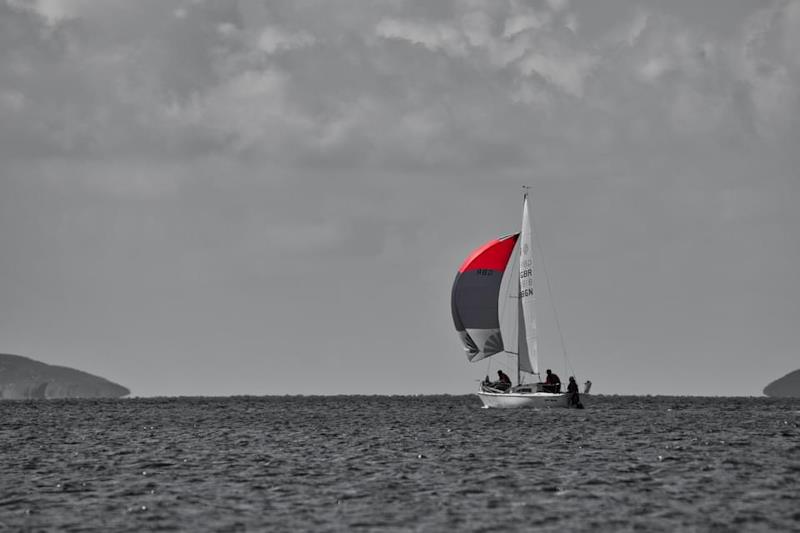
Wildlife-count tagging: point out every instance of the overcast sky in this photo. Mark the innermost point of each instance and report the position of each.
(272, 197)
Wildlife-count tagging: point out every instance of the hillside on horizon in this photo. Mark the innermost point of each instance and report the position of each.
(786, 387)
(23, 378)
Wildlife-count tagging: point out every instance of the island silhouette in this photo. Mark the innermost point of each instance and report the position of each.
(23, 378)
(786, 387)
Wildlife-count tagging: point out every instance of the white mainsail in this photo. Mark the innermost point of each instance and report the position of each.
(528, 348)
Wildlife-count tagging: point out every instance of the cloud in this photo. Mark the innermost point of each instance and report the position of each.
(12, 101)
(521, 22)
(412, 88)
(791, 31)
(52, 11)
(654, 68)
(770, 73)
(273, 39)
(434, 37)
(243, 110)
(558, 5)
(636, 28)
(565, 70)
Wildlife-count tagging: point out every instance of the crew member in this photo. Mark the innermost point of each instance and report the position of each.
(552, 382)
(572, 389)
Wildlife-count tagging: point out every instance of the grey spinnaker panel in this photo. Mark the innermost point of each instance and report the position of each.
(474, 298)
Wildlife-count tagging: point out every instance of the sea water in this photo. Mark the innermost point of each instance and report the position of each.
(401, 463)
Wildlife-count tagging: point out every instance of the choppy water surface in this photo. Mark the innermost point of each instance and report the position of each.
(428, 463)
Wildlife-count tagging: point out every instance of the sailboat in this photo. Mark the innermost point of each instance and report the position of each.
(477, 317)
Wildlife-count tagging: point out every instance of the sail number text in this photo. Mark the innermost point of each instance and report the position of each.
(526, 278)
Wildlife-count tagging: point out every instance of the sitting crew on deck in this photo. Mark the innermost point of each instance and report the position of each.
(503, 381)
(552, 383)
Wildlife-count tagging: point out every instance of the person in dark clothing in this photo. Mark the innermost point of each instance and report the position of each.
(572, 387)
(552, 382)
(572, 390)
(502, 384)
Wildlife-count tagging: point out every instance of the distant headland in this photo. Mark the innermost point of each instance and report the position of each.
(22, 378)
(786, 387)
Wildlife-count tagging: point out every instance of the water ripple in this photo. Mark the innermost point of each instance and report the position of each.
(399, 464)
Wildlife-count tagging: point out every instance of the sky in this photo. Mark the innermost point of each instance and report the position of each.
(273, 197)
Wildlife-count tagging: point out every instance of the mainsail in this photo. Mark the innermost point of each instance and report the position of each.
(528, 350)
(475, 294)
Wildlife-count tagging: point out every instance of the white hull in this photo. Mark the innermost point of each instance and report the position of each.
(540, 400)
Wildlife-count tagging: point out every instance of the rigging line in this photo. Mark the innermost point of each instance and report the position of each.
(549, 290)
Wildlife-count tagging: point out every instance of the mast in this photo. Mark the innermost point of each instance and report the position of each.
(522, 344)
(520, 315)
